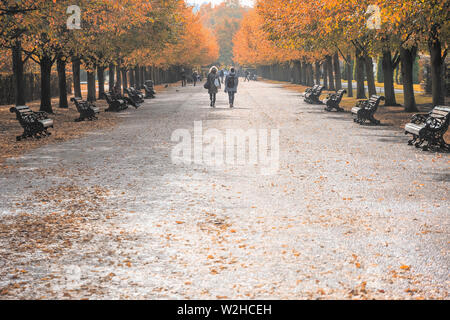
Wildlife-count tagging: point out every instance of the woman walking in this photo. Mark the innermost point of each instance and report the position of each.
(231, 84)
(213, 85)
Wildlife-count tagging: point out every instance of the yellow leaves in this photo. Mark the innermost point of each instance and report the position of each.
(405, 267)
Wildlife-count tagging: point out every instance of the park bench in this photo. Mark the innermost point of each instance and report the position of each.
(333, 100)
(134, 98)
(312, 95)
(115, 104)
(429, 127)
(127, 100)
(149, 90)
(137, 93)
(86, 109)
(34, 124)
(365, 110)
(311, 89)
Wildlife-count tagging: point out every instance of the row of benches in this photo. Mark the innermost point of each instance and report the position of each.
(363, 111)
(428, 128)
(36, 124)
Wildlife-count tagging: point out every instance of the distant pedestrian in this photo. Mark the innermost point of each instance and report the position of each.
(195, 77)
(221, 74)
(231, 84)
(247, 74)
(183, 77)
(213, 85)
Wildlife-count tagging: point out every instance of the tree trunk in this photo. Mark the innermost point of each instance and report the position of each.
(101, 82)
(131, 78)
(91, 86)
(349, 71)
(297, 71)
(329, 62)
(388, 75)
(437, 76)
(428, 84)
(76, 76)
(19, 83)
(46, 94)
(317, 73)
(119, 78)
(304, 74)
(124, 78)
(360, 89)
(112, 79)
(325, 75)
(310, 73)
(293, 70)
(143, 76)
(62, 82)
(300, 72)
(137, 76)
(407, 57)
(337, 71)
(368, 62)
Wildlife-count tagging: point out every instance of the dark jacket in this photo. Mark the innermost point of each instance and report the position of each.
(236, 82)
(212, 87)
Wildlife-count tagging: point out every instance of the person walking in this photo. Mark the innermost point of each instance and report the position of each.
(213, 85)
(183, 77)
(195, 77)
(221, 74)
(247, 74)
(231, 84)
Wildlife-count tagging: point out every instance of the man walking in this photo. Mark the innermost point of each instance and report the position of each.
(195, 77)
(221, 75)
(231, 84)
(247, 74)
(183, 77)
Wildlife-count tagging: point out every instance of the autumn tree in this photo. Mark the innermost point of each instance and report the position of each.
(126, 35)
(224, 21)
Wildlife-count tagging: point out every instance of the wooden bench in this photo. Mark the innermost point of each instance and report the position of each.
(86, 109)
(133, 97)
(115, 104)
(149, 90)
(365, 110)
(308, 90)
(333, 100)
(312, 95)
(137, 93)
(429, 127)
(34, 124)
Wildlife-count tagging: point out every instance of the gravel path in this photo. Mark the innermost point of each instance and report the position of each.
(352, 213)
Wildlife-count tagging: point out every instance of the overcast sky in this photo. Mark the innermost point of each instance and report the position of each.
(243, 2)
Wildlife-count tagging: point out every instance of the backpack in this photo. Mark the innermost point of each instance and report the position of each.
(230, 82)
